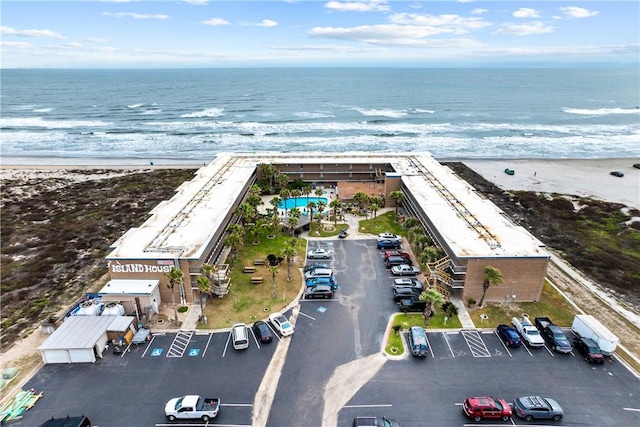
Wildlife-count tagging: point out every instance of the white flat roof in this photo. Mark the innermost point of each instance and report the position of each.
(80, 332)
(183, 226)
(130, 287)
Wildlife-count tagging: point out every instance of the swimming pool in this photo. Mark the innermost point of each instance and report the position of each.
(300, 202)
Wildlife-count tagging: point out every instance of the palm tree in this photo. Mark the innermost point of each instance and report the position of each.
(234, 240)
(336, 204)
(311, 206)
(431, 296)
(204, 286)
(411, 222)
(282, 180)
(360, 198)
(285, 194)
(246, 212)
(306, 190)
(175, 276)
(296, 193)
(321, 206)
(319, 192)
(374, 205)
(397, 197)
(289, 252)
(294, 216)
(269, 172)
(492, 276)
(273, 269)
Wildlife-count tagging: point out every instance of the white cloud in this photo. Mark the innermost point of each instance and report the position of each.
(73, 45)
(525, 12)
(135, 15)
(454, 24)
(17, 45)
(48, 34)
(215, 22)
(578, 12)
(197, 2)
(524, 29)
(479, 11)
(390, 35)
(97, 40)
(358, 6)
(263, 23)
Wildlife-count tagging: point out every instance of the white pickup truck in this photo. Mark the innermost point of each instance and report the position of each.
(528, 332)
(191, 407)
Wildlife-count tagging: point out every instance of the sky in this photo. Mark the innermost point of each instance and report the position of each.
(334, 33)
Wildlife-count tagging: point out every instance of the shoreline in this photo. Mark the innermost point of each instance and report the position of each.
(569, 176)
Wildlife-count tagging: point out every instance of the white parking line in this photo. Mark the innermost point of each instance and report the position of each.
(149, 345)
(503, 344)
(447, 341)
(207, 346)
(226, 345)
(254, 337)
(306, 315)
(430, 348)
(632, 409)
(387, 405)
(549, 350)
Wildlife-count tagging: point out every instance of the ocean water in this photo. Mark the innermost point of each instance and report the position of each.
(190, 115)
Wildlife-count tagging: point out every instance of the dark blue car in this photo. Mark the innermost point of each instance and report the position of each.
(509, 336)
(389, 244)
(331, 281)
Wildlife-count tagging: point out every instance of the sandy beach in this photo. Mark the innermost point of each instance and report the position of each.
(579, 177)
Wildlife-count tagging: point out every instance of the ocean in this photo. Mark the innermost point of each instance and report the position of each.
(189, 115)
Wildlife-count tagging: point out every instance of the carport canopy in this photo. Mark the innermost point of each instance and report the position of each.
(75, 339)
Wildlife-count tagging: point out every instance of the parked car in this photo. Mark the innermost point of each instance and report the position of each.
(281, 324)
(342, 234)
(389, 244)
(412, 304)
(67, 421)
(319, 253)
(418, 343)
(405, 270)
(262, 332)
(239, 336)
(330, 281)
(537, 407)
(408, 282)
(486, 408)
(396, 260)
(589, 349)
(375, 421)
(509, 336)
(403, 293)
(553, 335)
(396, 252)
(313, 265)
(318, 272)
(388, 236)
(617, 173)
(318, 291)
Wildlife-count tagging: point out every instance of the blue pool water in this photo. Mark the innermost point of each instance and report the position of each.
(300, 202)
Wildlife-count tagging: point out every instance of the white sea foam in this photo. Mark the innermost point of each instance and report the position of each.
(209, 112)
(420, 110)
(135, 105)
(313, 114)
(49, 124)
(150, 112)
(43, 110)
(383, 113)
(601, 111)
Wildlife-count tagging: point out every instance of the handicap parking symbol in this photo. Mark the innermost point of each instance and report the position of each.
(321, 309)
(156, 352)
(194, 352)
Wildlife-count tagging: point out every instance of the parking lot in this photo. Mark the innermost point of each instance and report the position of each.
(331, 338)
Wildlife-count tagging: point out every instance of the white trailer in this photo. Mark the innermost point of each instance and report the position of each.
(588, 326)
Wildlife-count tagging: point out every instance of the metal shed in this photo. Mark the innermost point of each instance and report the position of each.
(80, 339)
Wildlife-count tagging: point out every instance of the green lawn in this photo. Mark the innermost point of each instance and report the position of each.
(405, 321)
(551, 304)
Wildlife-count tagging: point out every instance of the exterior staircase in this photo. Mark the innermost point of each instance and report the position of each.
(438, 278)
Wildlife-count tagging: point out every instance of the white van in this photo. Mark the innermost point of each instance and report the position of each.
(239, 336)
(318, 272)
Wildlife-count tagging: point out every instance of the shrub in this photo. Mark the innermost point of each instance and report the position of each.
(471, 302)
(183, 309)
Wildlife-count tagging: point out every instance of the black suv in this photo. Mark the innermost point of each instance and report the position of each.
(318, 291)
(412, 304)
(396, 260)
(403, 293)
(589, 350)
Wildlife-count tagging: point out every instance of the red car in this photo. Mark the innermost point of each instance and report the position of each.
(487, 408)
(402, 254)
